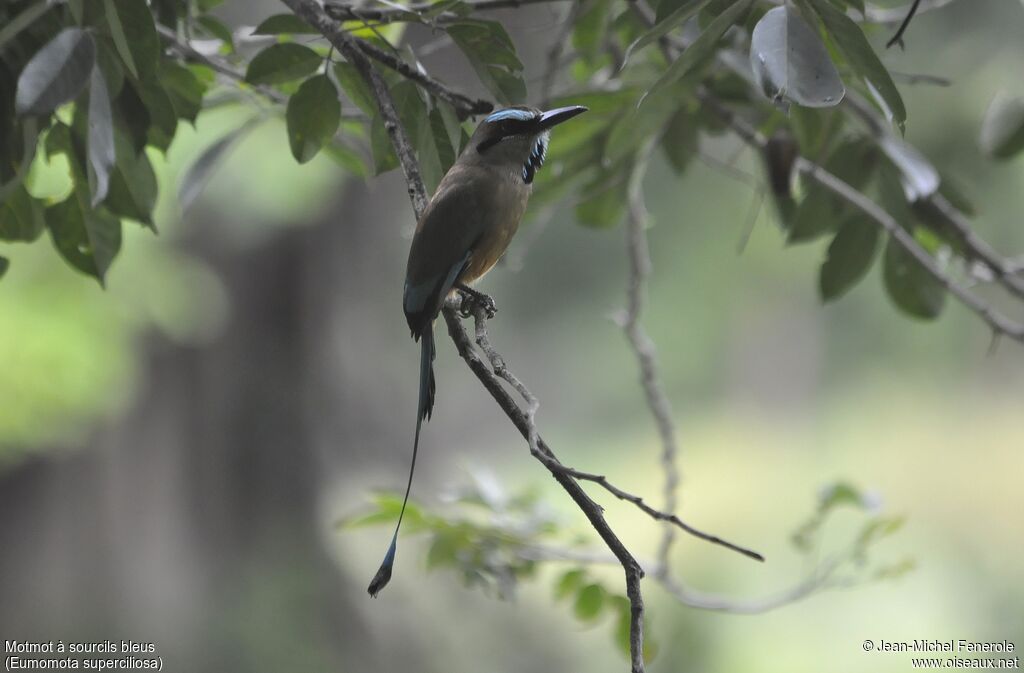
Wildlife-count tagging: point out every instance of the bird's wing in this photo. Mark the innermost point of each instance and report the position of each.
(449, 229)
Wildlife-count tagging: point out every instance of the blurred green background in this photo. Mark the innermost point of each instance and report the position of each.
(175, 451)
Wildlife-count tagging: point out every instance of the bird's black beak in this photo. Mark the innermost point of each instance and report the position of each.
(558, 115)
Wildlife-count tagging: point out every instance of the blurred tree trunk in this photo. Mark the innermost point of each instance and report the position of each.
(198, 510)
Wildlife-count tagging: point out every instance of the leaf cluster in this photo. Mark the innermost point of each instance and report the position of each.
(89, 93)
(93, 89)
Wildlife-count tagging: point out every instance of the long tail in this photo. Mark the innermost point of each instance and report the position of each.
(426, 405)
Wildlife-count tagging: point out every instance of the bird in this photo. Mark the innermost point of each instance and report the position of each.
(463, 232)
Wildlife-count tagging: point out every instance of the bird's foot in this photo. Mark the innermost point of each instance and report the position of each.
(472, 298)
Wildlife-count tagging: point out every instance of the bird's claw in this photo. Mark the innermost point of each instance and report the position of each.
(471, 299)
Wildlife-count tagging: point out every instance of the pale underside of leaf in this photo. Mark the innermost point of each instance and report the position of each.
(790, 62)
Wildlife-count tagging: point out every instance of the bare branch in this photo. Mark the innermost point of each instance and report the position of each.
(346, 12)
(974, 247)
(538, 447)
(644, 350)
(523, 422)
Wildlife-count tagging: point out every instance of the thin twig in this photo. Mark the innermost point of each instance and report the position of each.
(310, 12)
(536, 447)
(921, 78)
(346, 12)
(876, 14)
(464, 105)
(644, 350)
(898, 37)
(820, 579)
(216, 64)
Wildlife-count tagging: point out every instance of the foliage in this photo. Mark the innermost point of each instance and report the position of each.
(493, 541)
(105, 85)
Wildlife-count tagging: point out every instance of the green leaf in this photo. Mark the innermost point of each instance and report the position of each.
(861, 56)
(282, 63)
(680, 143)
(347, 158)
(909, 285)
(312, 117)
(56, 73)
(569, 583)
(353, 84)
(636, 125)
(284, 24)
(443, 551)
(134, 33)
(849, 257)
(109, 62)
(877, 528)
(841, 493)
(702, 48)
(427, 150)
(684, 10)
(442, 139)
(207, 5)
(954, 192)
(589, 602)
(184, 89)
(919, 178)
(216, 29)
(603, 203)
(896, 570)
(820, 211)
(492, 55)
(590, 28)
(100, 145)
(21, 217)
(87, 239)
(790, 62)
(29, 145)
(816, 130)
(163, 120)
(133, 185)
(132, 116)
(77, 9)
(1002, 131)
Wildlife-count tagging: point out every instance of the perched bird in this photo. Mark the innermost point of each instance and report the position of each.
(463, 232)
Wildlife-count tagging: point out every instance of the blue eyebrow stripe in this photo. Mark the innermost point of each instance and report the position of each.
(512, 113)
